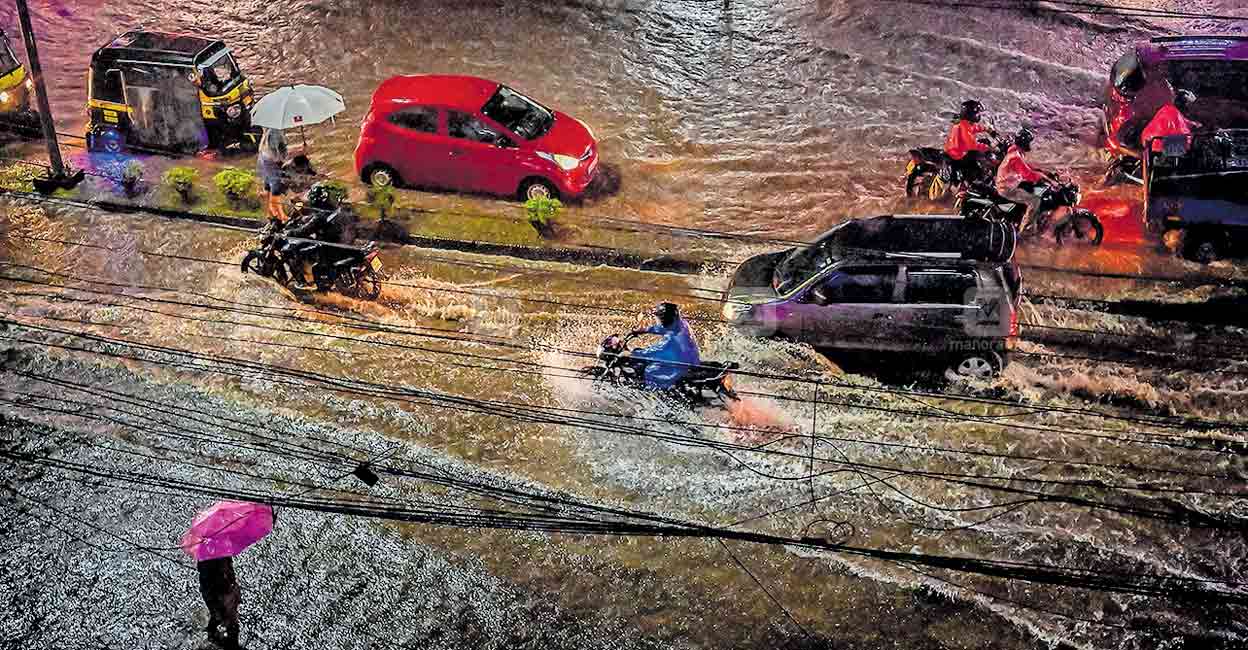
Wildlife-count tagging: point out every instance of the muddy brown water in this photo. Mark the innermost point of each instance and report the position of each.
(774, 118)
(754, 116)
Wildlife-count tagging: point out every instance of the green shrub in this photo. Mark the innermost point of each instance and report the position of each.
(542, 211)
(131, 176)
(182, 180)
(19, 176)
(235, 184)
(382, 199)
(337, 191)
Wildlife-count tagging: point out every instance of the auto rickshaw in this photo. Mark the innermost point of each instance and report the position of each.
(168, 93)
(15, 94)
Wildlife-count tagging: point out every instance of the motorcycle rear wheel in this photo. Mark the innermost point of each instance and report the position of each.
(918, 182)
(367, 284)
(1081, 227)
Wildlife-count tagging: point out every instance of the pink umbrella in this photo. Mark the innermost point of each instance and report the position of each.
(226, 528)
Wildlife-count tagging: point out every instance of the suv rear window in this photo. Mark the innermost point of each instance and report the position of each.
(940, 286)
(1219, 79)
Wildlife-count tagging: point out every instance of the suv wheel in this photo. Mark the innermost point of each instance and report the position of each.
(977, 365)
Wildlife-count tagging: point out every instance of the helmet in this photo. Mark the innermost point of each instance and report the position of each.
(323, 196)
(971, 110)
(667, 313)
(1183, 99)
(1024, 139)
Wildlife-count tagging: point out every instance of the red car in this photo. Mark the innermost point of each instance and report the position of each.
(470, 134)
(1213, 67)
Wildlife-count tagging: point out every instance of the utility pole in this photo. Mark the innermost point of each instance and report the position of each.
(58, 177)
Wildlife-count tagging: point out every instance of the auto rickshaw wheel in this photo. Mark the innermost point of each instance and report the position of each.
(107, 140)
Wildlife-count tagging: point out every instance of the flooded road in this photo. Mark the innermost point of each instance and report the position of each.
(776, 117)
(772, 118)
(468, 330)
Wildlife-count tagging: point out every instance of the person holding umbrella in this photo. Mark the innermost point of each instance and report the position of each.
(269, 163)
(219, 587)
(215, 537)
(291, 107)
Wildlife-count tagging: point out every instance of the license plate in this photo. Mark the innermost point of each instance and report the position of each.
(375, 263)
(909, 167)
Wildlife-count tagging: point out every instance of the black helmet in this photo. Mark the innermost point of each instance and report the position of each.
(322, 196)
(1183, 99)
(667, 313)
(1024, 139)
(971, 110)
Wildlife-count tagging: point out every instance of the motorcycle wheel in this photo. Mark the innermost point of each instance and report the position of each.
(917, 183)
(254, 262)
(1083, 225)
(367, 284)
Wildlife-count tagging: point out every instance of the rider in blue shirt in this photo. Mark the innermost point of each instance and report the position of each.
(673, 356)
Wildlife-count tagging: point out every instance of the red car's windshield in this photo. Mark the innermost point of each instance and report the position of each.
(1212, 79)
(521, 115)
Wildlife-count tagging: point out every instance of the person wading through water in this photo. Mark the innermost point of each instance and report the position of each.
(219, 587)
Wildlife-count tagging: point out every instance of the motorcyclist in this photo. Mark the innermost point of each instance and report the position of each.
(671, 358)
(963, 145)
(1016, 179)
(324, 218)
(1170, 119)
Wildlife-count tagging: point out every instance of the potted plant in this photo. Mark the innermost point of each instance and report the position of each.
(237, 185)
(542, 211)
(182, 180)
(131, 176)
(382, 199)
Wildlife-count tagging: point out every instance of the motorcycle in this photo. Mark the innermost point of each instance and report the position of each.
(707, 384)
(1056, 195)
(932, 173)
(1123, 169)
(351, 270)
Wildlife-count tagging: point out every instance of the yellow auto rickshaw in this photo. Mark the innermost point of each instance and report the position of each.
(167, 93)
(16, 90)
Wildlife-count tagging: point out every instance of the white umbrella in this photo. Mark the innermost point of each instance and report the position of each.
(297, 106)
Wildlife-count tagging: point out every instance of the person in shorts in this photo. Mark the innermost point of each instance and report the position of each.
(269, 163)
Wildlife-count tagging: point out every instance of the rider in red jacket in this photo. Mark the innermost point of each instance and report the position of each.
(1016, 179)
(962, 144)
(1170, 120)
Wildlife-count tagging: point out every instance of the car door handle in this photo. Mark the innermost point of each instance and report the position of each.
(454, 152)
(881, 317)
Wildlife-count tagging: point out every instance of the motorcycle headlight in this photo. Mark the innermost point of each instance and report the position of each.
(5, 97)
(566, 163)
(736, 311)
(234, 111)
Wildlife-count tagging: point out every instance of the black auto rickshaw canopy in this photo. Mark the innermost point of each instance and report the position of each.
(163, 90)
